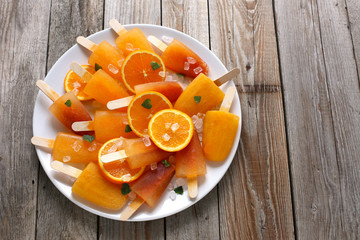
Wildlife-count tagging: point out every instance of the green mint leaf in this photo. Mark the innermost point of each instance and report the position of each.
(125, 189)
(197, 99)
(88, 138)
(180, 74)
(166, 163)
(68, 103)
(97, 67)
(147, 103)
(128, 129)
(179, 190)
(155, 65)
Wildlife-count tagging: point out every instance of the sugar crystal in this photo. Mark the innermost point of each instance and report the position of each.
(198, 70)
(76, 84)
(120, 62)
(172, 195)
(166, 137)
(92, 147)
(153, 166)
(146, 141)
(113, 69)
(76, 146)
(162, 74)
(175, 127)
(191, 60)
(169, 78)
(180, 182)
(167, 125)
(129, 47)
(171, 186)
(187, 66)
(126, 177)
(66, 158)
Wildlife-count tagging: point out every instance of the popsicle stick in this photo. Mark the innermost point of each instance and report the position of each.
(119, 103)
(67, 169)
(83, 126)
(47, 90)
(42, 142)
(118, 155)
(229, 96)
(227, 77)
(129, 211)
(157, 43)
(117, 27)
(82, 72)
(86, 43)
(192, 187)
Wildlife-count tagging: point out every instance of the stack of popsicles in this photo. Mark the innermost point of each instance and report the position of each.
(202, 95)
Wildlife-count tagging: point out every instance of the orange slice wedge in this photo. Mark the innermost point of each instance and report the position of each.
(171, 130)
(73, 81)
(142, 67)
(142, 108)
(117, 171)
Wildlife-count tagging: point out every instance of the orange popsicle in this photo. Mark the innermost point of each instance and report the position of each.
(220, 129)
(201, 95)
(66, 108)
(70, 148)
(92, 186)
(109, 58)
(100, 86)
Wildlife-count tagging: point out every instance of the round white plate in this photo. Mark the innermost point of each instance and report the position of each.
(46, 125)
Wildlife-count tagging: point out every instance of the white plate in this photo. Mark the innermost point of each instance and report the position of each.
(46, 125)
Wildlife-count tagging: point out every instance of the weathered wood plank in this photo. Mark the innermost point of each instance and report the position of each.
(201, 220)
(353, 10)
(131, 12)
(254, 196)
(58, 218)
(23, 41)
(321, 93)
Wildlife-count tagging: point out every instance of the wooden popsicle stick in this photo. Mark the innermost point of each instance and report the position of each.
(192, 187)
(47, 90)
(129, 211)
(82, 72)
(117, 27)
(119, 103)
(86, 43)
(157, 43)
(42, 142)
(227, 76)
(110, 157)
(229, 96)
(67, 169)
(82, 126)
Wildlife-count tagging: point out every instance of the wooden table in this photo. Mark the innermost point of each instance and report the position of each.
(297, 170)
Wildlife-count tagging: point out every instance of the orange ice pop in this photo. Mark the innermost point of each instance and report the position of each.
(190, 163)
(149, 188)
(70, 148)
(180, 58)
(171, 90)
(130, 41)
(66, 108)
(92, 186)
(100, 86)
(104, 55)
(138, 152)
(107, 125)
(220, 129)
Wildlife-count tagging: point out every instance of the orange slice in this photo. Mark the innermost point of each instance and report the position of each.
(171, 130)
(73, 81)
(117, 171)
(142, 108)
(142, 67)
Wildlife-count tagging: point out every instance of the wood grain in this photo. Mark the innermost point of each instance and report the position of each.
(58, 218)
(254, 196)
(131, 12)
(201, 220)
(321, 93)
(23, 44)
